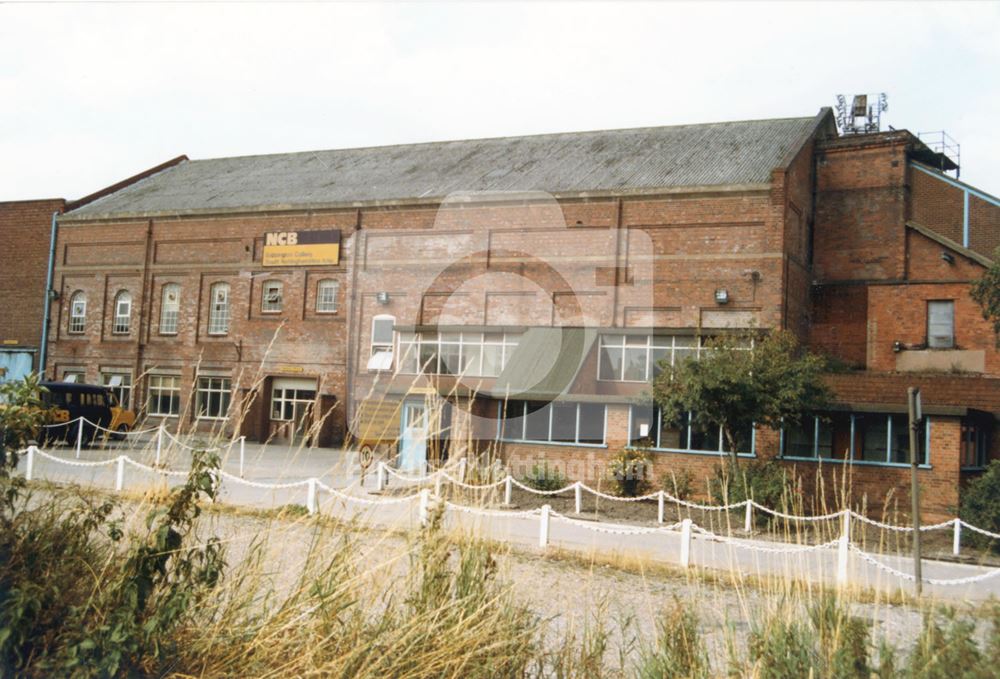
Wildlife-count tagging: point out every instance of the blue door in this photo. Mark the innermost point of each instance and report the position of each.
(413, 437)
(15, 364)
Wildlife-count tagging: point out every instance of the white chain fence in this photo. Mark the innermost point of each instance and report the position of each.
(686, 528)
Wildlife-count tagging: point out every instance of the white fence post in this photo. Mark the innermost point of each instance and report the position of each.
(659, 506)
(29, 466)
(578, 496)
(425, 499)
(843, 548)
(543, 527)
(437, 485)
(748, 520)
(508, 488)
(462, 464)
(311, 496)
(243, 441)
(685, 543)
(120, 476)
(956, 542)
(380, 477)
(159, 442)
(79, 436)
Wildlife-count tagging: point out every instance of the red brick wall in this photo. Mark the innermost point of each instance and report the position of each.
(860, 208)
(938, 205)
(25, 228)
(839, 327)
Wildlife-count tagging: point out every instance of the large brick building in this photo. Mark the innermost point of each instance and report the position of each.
(516, 295)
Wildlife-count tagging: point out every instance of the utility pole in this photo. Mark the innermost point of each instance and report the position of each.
(916, 418)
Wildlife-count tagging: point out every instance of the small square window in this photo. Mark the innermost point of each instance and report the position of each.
(271, 299)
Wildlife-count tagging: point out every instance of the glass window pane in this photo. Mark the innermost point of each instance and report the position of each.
(428, 357)
(800, 438)
(704, 438)
(635, 364)
(564, 422)
(513, 424)
(871, 434)
(643, 424)
(537, 421)
(491, 360)
(449, 364)
(470, 359)
(670, 436)
(901, 439)
(659, 358)
(941, 324)
(611, 363)
(591, 423)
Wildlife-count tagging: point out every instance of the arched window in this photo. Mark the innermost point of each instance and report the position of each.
(77, 312)
(326, 296)
(123, 313)
(170, 305)
(382, 329)
(218, 313)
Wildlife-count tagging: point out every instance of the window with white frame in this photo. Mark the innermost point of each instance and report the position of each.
(879, 438)
(291, 403)
(163, 395)
(77, 312)
(640, 358)
(941, 324)
(212, 397)
(381, 342)
(555, 422)
(272, 299)
(74, 376)
(326, 296)
(123, 313)
(648, 428)
(170, 307)
(119, 382)
(218, 312)
(470, 354)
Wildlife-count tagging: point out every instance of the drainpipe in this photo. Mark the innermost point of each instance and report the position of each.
(48, 297)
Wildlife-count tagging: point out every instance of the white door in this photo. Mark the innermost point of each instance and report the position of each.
(413, 438)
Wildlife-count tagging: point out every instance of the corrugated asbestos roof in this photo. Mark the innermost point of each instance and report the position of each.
(545, 363)
(710, 154)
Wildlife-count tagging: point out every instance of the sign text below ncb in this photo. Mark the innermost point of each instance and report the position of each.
(302, 248)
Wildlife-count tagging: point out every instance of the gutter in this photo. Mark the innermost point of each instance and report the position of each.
(48, 297)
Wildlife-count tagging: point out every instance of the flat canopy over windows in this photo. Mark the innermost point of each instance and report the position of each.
(545, 363)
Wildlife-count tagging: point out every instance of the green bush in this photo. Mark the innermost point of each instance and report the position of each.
(543, 478)
(981, 505)
(680, 484)
(764, 480)
(630, 471)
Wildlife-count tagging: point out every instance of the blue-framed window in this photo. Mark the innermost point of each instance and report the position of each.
(647, 428)
(561, 422)
(873, 438)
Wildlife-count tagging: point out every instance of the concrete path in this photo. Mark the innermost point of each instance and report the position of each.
(339, 470)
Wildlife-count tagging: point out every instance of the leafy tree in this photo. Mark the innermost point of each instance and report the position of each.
(736, 387)
(986, 292)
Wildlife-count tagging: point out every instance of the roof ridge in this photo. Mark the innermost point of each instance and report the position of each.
(537, 135)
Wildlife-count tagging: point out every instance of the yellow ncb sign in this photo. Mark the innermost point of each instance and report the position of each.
(302, 248)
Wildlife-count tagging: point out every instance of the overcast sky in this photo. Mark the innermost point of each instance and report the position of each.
(93, 93)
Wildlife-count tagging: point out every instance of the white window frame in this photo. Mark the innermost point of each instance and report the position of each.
(272, 297)
(205, 386)
(124, 390)
(670, 344)
(932, 342)
(853, 451)
(413, 342)
(77, 313)
(326, 302)
(281, 396)
(122, 323)
(161, 385)
(218, 313)
(382, 346)
(170, 311)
